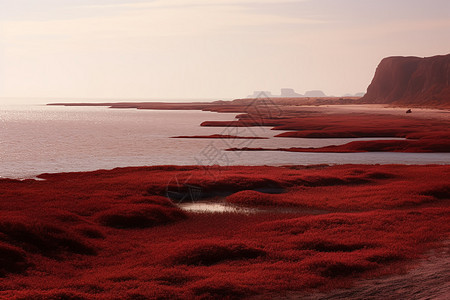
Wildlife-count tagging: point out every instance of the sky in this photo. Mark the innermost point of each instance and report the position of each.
(207, 49)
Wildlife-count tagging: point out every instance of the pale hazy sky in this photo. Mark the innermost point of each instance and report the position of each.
(208, 48)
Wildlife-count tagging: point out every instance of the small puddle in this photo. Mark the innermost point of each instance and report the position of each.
(36, 179)
(23, 178)
(209, 207)
(222, 207)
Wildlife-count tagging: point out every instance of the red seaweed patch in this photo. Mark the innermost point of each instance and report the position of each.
(210, 253)
(139, 216)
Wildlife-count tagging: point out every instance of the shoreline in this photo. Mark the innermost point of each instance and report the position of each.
(36, 176)
(228, 106)
(425, 131)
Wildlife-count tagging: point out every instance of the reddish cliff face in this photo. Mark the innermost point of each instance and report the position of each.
(411, 81)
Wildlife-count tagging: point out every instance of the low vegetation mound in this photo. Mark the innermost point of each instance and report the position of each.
(12, 259)
(252, 198)
(139, 216)
(207, 253)
(48, 240)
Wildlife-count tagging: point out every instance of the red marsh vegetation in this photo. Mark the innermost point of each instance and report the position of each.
(420, 135)
(115, 235)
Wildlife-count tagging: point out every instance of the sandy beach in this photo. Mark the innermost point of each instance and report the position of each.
(417, 112)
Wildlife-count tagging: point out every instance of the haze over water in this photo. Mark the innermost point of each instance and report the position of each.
(38, 139)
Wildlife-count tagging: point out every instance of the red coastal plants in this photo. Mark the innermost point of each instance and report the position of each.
(115, 235)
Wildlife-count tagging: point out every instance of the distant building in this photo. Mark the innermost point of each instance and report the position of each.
(257, 94)
(287, 93)
(315, 93)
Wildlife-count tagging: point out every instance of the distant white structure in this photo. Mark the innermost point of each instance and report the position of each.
(288, 93)
(257, 94)
(315, 93)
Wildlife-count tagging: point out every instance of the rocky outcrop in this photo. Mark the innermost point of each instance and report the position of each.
(260, 94)
(315, 93)
(287, 92)
(411, 81)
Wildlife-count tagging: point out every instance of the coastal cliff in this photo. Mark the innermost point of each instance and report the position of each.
(411, 81)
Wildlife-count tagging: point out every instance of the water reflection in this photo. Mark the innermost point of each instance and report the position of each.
(222, 207)
(210, 207)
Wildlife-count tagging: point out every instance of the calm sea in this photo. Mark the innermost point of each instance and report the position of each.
(37, 139)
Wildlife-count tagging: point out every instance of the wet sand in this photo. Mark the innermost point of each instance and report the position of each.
(423, 113)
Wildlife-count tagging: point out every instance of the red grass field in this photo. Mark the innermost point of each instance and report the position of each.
(416, 146)
(115, 235)
(421, 134)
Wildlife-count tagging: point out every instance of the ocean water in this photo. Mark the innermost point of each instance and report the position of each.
(37, 139)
